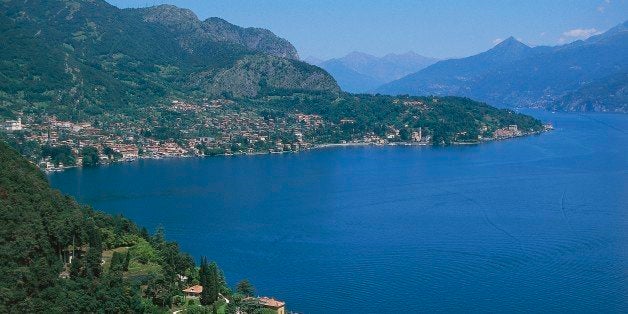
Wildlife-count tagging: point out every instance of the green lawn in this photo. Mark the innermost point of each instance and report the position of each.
(136, 269)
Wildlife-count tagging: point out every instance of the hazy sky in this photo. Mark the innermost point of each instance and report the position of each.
(437, 28)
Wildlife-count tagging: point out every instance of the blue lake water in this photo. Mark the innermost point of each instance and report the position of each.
(537, 223)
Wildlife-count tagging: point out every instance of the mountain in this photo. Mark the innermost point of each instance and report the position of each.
(191, 32)
(92, 54)
(513, 74)
(313, 60)
(350, 80)
(360, 72)
(604, 95)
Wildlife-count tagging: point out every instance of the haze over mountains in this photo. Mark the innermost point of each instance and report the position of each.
(589, 75)
(100, 55)
(358, 72)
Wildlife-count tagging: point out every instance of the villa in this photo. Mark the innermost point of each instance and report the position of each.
(193, 292)
(272, 304)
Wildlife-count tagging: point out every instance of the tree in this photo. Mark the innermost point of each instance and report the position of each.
(204, 281)
(127, 260)
(117, 262)
(405, 134)
(112, 154)
(160, 292)
(144, 234)
(75, 268)
(210, 280)
(93, 259)
(244, 287)
(90, 156)
(214, 282)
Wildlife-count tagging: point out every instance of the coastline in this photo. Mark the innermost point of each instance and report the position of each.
(313, 147)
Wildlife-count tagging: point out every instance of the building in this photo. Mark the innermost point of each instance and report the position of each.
(417, 136)
(193, 292)
(272, 304)
(12, 125)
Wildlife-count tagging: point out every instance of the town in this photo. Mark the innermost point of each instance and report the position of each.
(180, 128)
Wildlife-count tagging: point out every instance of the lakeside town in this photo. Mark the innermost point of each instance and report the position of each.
(186, 129)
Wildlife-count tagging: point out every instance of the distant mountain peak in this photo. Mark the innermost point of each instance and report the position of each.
(361, 72)
(508, 50)
(173, 12)
(510, 43)
(358, 55)
(313, 60)
(582, 75)
(192, 32)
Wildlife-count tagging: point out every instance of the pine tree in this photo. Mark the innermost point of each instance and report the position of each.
(245, 288)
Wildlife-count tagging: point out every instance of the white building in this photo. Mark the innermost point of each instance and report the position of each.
(12, 125)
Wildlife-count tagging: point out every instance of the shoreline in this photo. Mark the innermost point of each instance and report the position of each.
(313, 147)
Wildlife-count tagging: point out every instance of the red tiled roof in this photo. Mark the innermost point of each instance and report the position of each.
(270, 302)
(194, 289)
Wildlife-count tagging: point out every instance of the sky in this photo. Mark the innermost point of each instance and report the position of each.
(435, 28)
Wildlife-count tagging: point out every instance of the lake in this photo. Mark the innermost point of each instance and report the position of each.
(530, 224)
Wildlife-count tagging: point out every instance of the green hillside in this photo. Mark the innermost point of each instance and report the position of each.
(86, 54)
(41, 228)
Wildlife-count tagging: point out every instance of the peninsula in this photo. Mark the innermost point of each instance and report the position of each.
(108, 90)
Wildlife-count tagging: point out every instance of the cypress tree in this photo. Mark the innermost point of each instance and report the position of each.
(93, 259)
(214, 281)
(204, 281)
(127, 260)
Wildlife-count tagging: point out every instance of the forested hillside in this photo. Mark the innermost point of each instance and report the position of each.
(608, 94)
(115, 266)
(92, 55)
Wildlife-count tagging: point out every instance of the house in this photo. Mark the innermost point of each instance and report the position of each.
(417, 136)
(12, 125)
(193, 292)
(272, 304)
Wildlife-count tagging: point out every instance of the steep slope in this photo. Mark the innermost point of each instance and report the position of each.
(609, 94)
(41, 229)
(458, 76)
(191, 31)
(89, 53)
(38, 225)
(513, 74)
(361, 72)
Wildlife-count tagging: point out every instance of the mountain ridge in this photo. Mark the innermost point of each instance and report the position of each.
(217, 29)
(513, 74)
(361, 72)
(100, 56)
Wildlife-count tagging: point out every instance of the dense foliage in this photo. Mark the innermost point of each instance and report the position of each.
(446, 119)
(58, 256)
